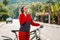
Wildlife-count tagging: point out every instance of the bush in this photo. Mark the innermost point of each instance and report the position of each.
(4, 16)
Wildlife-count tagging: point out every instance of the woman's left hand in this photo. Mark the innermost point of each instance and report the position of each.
(41, 26)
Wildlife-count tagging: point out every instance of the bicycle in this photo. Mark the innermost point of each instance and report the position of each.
(31, 33)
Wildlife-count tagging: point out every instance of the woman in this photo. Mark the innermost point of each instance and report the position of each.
(25, 20)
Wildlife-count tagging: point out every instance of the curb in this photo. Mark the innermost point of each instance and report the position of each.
(2, 23)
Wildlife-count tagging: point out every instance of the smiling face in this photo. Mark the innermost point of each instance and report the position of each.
(25, 9)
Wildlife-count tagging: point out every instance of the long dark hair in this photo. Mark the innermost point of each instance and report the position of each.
(22, 9)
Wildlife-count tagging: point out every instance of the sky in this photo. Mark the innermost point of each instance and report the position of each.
(15, 1)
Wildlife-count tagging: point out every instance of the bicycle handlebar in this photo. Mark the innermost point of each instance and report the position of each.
(14, 31)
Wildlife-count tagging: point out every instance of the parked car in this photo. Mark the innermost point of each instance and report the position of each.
(9, 20)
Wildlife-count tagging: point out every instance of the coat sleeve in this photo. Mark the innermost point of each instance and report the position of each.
(22, 19)
(33, 23)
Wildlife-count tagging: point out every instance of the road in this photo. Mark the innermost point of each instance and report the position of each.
(49, 32)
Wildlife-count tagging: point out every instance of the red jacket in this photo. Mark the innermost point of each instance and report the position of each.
(23, 19)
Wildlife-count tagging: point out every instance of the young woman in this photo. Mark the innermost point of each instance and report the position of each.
(25, 21)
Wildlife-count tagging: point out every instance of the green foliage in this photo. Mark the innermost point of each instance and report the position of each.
(35, 7)
(56, 8)
(4, 16)
(46, 7)
(12, 9)
(6, 2)
(4, 9)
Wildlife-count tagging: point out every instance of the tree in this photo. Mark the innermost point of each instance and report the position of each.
(2, 7)
(4, 16)
(3, 10)
(6, 2)
(50, 2)
(35, 7)
(55, 8)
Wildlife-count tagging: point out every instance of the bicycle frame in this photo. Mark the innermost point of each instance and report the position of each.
(31, 33)
(37, 37)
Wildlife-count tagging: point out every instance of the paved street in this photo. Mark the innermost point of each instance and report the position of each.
(49, 32)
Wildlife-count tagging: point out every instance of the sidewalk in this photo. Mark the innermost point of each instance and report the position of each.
(51, 25)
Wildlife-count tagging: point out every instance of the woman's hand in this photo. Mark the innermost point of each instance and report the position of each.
(41, 26)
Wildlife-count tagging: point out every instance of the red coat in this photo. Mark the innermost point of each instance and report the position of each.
(25, 21)
(28, 18)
